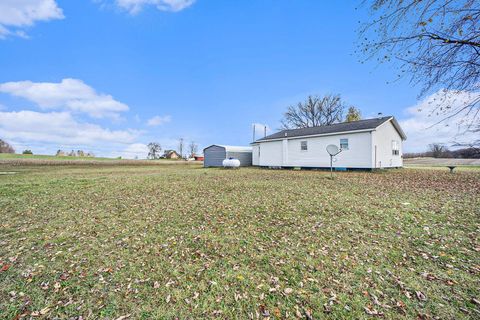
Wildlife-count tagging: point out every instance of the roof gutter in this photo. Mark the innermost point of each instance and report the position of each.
(399, 129)
(313, 135)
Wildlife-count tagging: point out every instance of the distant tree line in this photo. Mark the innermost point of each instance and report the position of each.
(5, 147)
(438, 150)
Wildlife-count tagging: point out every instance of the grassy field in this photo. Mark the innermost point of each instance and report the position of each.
(431, 162)
(165, 242)
(7, 159)
(7, 156)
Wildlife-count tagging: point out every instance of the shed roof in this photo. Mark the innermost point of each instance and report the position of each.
(361, 125)
(232, 148)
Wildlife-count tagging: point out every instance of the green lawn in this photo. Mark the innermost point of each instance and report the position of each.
(185, 242)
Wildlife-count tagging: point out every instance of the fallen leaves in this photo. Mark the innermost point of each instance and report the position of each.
(64, 276)
(420, 296)
(372, 312)
(5, 267)
(246, 244)
(42, 312)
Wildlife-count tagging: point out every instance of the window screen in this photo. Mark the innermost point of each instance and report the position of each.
(303, 146)
(344, 144)
(395, 148)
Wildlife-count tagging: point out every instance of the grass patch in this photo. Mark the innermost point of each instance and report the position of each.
(48, 157)
(182, 241)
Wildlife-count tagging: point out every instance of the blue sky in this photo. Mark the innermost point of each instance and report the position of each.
(108, 76)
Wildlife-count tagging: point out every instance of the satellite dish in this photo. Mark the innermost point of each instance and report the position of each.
(333, 149)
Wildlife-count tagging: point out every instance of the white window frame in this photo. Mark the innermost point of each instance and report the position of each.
(395, 148)
(341, 144)
(302, 145)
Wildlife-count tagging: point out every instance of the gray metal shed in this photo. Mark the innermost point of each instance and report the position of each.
(215, 154)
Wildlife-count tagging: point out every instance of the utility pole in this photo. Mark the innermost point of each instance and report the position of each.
(180, 147)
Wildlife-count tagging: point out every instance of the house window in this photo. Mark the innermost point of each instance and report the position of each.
(303, 145)
(395, 148)
(344, 144)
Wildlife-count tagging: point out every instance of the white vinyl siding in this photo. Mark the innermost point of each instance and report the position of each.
(382, 138)
(256, 154)
(358, 155)
(370, 149)
(271, 154)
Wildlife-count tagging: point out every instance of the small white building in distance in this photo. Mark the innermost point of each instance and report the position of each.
(366, 144)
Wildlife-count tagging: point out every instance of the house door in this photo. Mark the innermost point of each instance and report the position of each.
(375, 157)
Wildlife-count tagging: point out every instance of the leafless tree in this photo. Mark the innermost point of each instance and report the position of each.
(154, 149)
(193, 148)
(5, 147)
(436, 43)
(353, 114)
(437, 150)
(315, 111)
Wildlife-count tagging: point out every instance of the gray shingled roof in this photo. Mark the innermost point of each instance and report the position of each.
(333, 128)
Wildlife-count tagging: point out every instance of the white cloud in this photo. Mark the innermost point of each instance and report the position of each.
(421, 125)
(133, 151)
(69, 94)
(15, 15)
(59, 128)
(135, 6)
(158, 120)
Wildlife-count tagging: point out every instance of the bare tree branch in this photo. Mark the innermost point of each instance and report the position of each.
(315, 111)
(434, 42)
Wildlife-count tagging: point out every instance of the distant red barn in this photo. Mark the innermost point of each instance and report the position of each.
(199, 158)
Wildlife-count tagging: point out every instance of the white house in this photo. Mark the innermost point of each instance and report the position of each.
(365, 144)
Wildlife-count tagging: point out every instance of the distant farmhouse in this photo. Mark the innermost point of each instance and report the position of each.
(73, 153)
(199, 157)
(171, 154)
(366, 144)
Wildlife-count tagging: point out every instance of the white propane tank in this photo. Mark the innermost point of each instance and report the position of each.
(231, 163)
